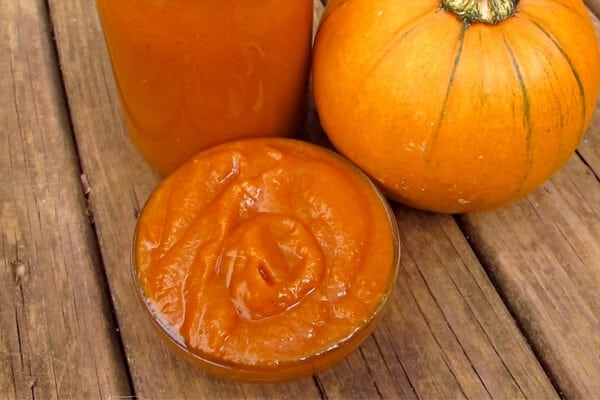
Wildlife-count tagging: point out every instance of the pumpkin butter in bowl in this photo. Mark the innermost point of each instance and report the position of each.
(265, 259)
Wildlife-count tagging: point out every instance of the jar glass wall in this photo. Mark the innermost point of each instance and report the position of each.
(192, 74)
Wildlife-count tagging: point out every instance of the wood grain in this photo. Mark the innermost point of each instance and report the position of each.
(57, 334)
(467, 330)
(544, 254)
(446, 333)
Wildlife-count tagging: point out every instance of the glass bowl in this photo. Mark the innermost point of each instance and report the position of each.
(265, 260)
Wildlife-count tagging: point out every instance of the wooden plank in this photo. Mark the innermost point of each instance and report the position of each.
(446, 333)
(57, 336)
(544, 254)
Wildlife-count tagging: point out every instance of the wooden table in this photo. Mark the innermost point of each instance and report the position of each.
(502, 304)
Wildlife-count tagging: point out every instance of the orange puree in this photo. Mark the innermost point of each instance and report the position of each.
(194, 73)
(266, 259)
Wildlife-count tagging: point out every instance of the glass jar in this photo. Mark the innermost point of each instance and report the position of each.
(192, 74)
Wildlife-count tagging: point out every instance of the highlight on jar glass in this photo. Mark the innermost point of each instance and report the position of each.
(192, 74)
(265, 259)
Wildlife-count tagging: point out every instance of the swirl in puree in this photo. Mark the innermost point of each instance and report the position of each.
(264, 252)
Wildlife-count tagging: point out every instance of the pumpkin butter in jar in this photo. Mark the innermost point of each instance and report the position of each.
(265, 259)
(195, 73)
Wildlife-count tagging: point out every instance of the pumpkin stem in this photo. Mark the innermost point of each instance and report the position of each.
(484, 11)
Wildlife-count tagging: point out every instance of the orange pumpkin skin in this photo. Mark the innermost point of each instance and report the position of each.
(450, 116)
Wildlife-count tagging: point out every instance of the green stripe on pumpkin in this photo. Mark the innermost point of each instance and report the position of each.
(526, 114)
(436, 132)
(573, 71)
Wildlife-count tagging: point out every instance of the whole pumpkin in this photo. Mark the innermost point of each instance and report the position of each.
(458, 105)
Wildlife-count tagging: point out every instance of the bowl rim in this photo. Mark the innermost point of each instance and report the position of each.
(245, 372)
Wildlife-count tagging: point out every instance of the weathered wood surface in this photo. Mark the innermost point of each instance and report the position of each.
(57, 333)
(446, 334)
